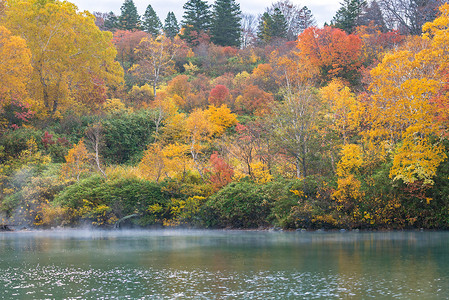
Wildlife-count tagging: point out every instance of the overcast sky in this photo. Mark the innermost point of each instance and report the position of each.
(323, 10)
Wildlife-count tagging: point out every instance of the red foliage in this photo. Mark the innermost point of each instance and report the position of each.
(336, 53)
(254, 100)
(126, 41)
(221, 173)
(229, 51)
(47, 139)
(219, 95)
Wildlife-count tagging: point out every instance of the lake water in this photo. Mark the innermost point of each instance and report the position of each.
(173, 264)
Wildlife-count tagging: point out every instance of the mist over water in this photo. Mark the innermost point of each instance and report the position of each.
(205, 264)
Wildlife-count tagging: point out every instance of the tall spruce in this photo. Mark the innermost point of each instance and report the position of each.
(129, 18)
(306, 19)
(171, 27)
(226, 24)
(196, 19)
(151, 22)
(372, 16)
(272, 26)
(110, 21)
(347, 16)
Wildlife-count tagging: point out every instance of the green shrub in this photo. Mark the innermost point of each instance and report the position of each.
(126, 136)
(124, 196)
(238, 205)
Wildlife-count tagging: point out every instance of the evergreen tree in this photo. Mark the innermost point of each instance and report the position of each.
(264, 30)
(226, 28)
(279, 29)
(347, 16)
(372, 15)
(151, 22)
(171, 27)
(272, 26)
(129, 18)
(110, 21)
(306, 19)
(196, 19)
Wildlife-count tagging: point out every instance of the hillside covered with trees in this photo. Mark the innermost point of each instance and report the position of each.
(225, 119)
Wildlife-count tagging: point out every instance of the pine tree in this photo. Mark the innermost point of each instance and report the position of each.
(171, 27)
(306, 19)
(272, 26)
(196, 19)
(226, 29)
(372, 15)
(110, 21)
(151, 22)
(279, 29)
(347, 16)
(129, 18)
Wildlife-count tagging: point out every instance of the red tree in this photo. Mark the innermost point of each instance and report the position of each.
(334, 52)
(219, 95)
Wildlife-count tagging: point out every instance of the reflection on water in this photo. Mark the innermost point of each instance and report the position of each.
(170, 264)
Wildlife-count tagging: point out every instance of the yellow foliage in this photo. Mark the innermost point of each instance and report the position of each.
(191, 68)
(351, 160)
(221, 118)
(140, 96)
(113, 105)
(348, 192)
(159, 162)
(77, 161)
(100, 214)
(345, 110)
(417, 159)
(71, 57)
(15, 64)
(260, 172)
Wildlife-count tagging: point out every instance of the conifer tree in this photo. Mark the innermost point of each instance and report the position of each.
(226, 29)
(347, 16)
(171, 27)
(196, 19)
(272, 26)
(110, 21)
(306, 19)
(372, 15)
(279, 24)
(151, 22)
(129, 18)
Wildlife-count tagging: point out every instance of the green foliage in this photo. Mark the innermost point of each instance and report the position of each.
(151, 22)
(347, 16)
(226, 20)
(129, 18)
(123, 196)
(171, 27)
(126, 135)
(15, 141)
(272, 26)
(196, 20)
(239, 205)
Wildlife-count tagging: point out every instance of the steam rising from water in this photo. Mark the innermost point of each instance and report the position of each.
(202, 264)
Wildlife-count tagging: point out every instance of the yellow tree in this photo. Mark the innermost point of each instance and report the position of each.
(402, 107)
(78, 161)
(159, 161)
(72, 59)
(200, 131)
(155, 58)
(15, 67)
(345, 111)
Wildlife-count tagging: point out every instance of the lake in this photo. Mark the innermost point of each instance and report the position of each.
(209, 264)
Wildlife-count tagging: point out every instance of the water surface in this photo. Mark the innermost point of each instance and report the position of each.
(170, 264)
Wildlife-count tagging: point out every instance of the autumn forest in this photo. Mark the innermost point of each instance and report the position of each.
(225, 119)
